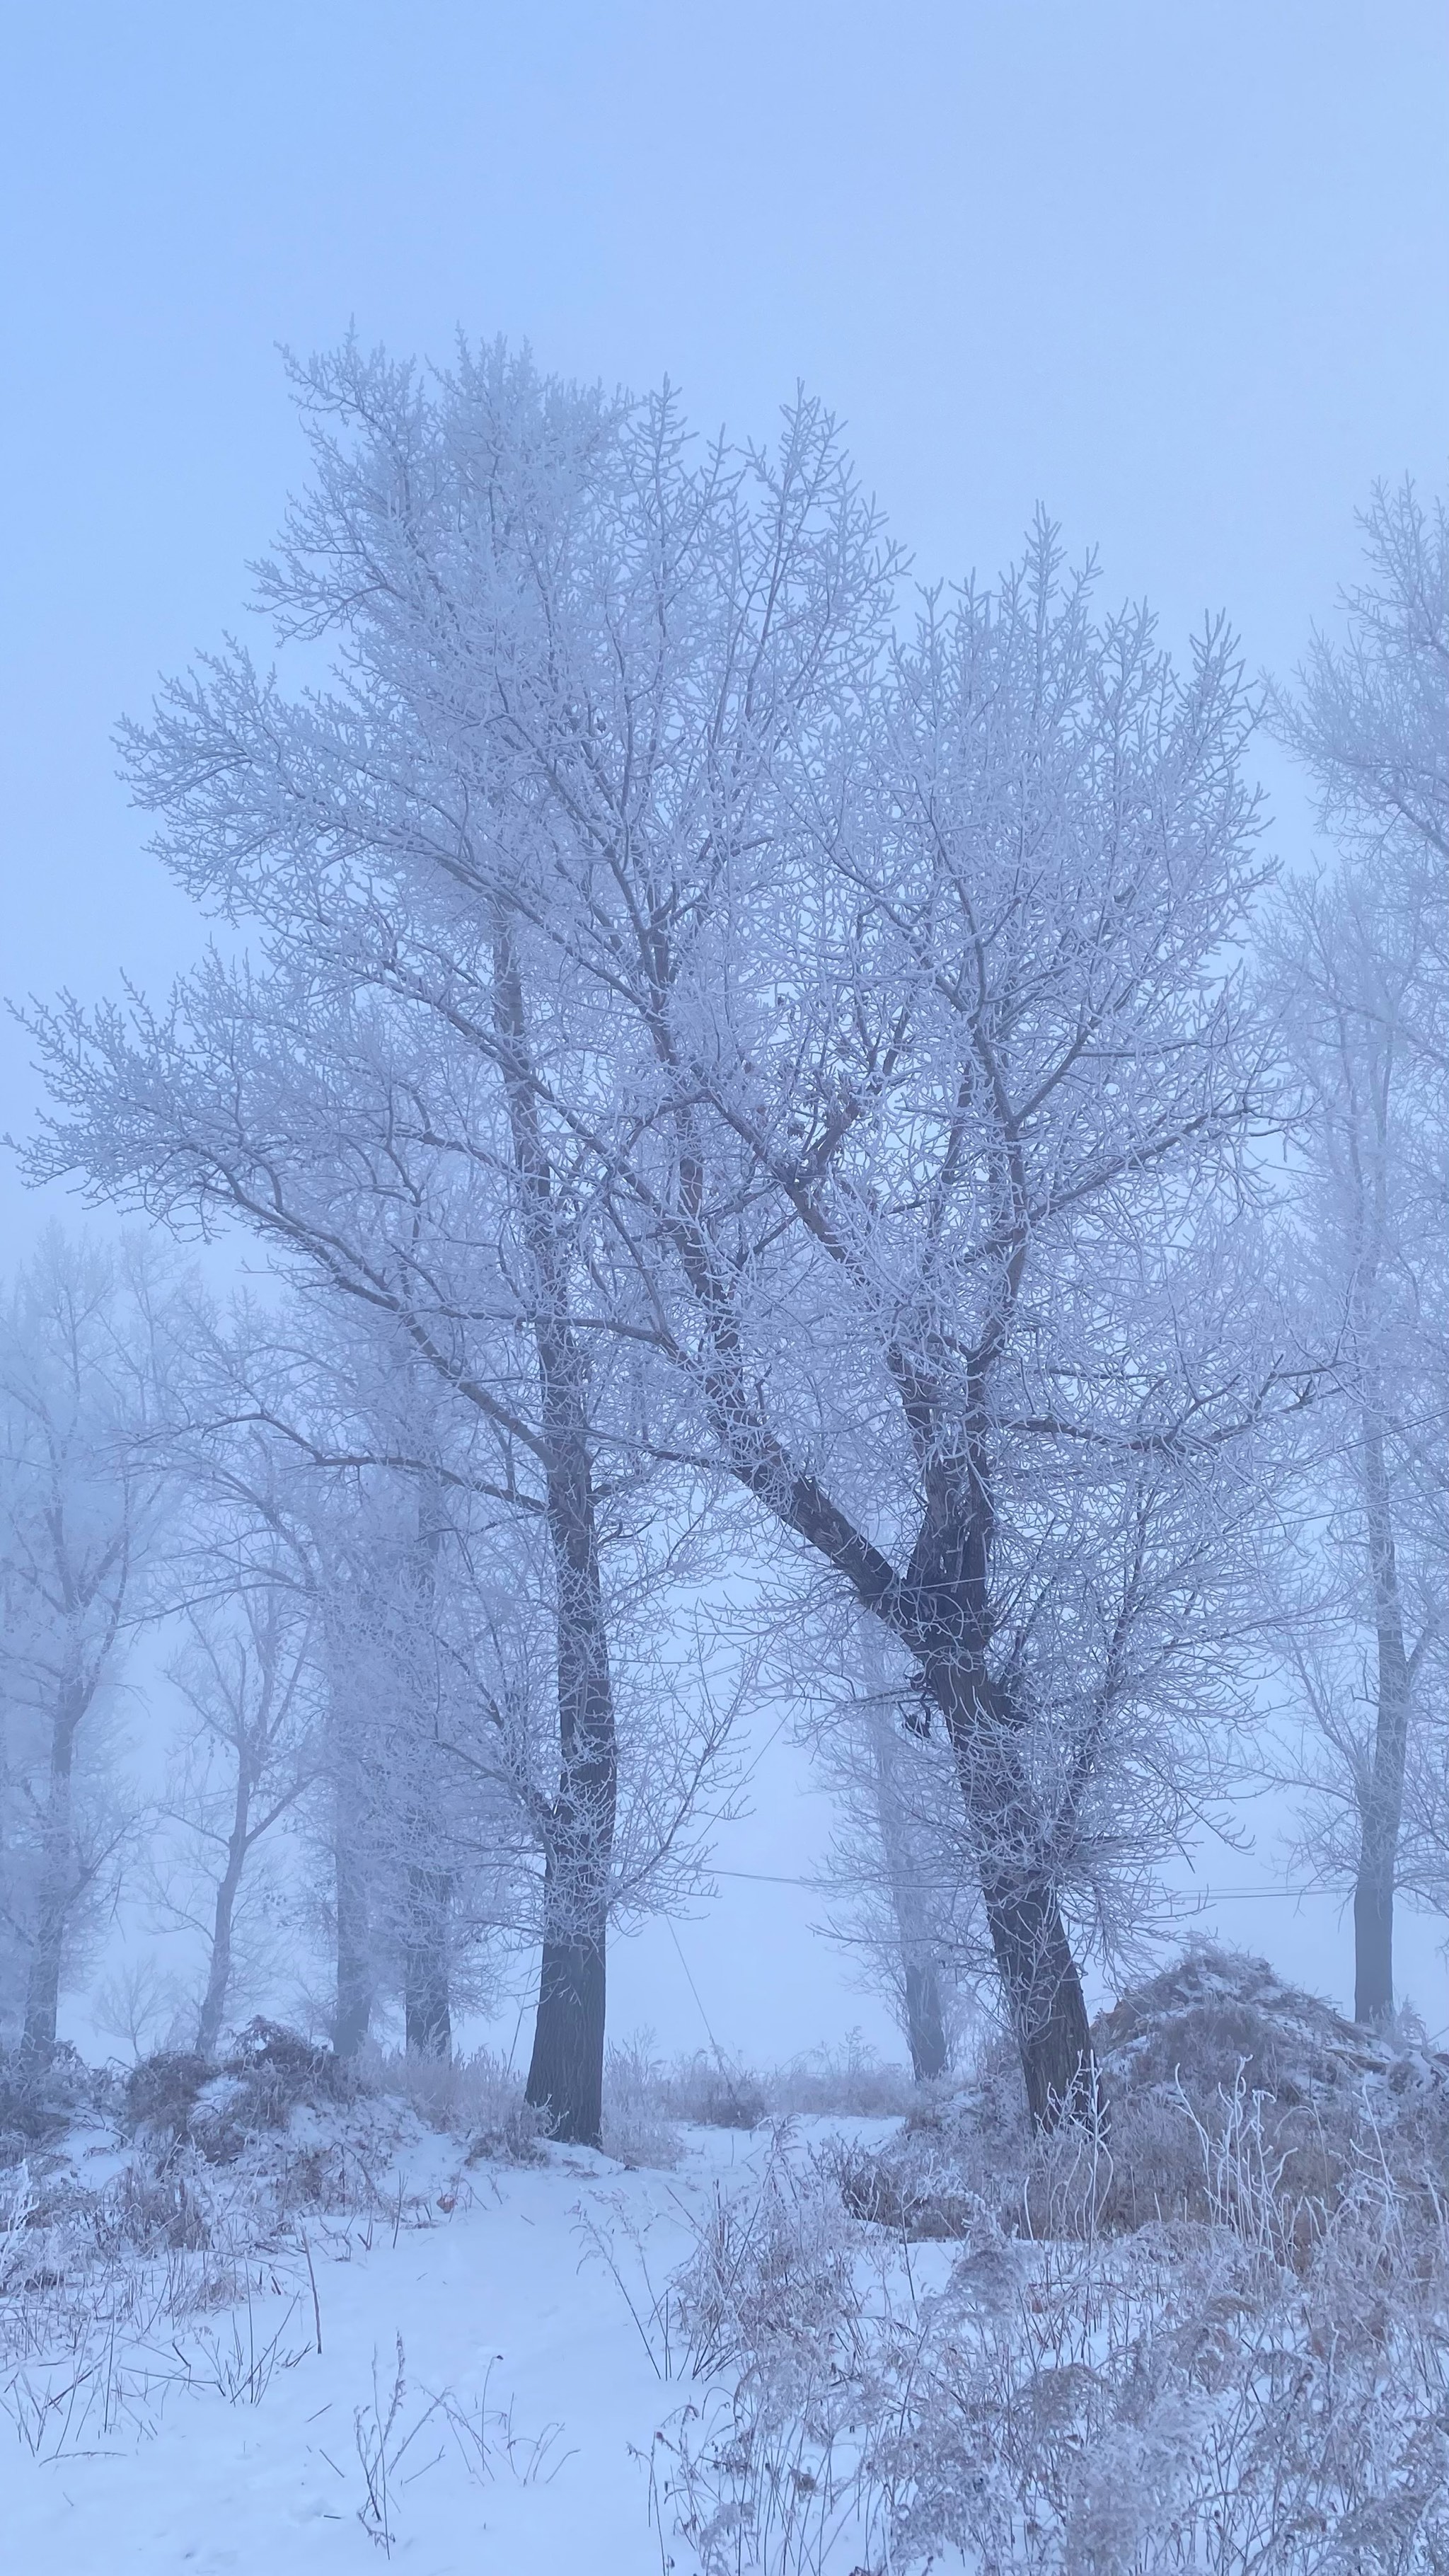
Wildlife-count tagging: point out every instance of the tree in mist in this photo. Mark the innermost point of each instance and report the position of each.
(899, 1873)
(954, 1238)
(377, 1100)
(1360, 975)
(84, 1485)
(319, 1467)
(249, 1755)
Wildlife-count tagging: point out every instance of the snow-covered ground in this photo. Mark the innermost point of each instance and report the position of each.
(498, 2302)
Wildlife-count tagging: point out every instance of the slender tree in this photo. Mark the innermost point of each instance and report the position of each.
(251, 1754)
(1361, 979)
(904, 1894)
(84, 1484)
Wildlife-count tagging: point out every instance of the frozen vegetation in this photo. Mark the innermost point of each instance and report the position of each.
(774, 2326)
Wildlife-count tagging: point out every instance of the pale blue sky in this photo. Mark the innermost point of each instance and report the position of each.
(1180, 272)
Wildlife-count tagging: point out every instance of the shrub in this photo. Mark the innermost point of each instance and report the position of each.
(161, 2091)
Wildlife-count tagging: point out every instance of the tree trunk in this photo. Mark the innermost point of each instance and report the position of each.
(946, 1598)
(353, 2008)
(426, 2003)
(1373, 1895)
(925, 2021)
(910, 1899)
(1043, 1993)
(42, 1985)
(566, 2072)
(218, 1981)
(1040, 1982)
(937, 1612)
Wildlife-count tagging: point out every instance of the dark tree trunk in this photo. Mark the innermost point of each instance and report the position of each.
(1043, 1991)
(566, 2072)
(925, 2021)
(1373, 1895)
(1040, 1984)
(938, 1612)
(427, 2003)
(946, 1602)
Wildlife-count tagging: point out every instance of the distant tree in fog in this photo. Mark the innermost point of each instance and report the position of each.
(249, 1753)
(1360, 977)
(85, 1348)
(904, 1898)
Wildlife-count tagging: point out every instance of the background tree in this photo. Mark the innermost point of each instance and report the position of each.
(1361, 978)
(85, 1345)
(250, 1754)
(905, 1900)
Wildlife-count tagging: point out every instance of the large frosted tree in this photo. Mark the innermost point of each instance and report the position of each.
(374, 1094)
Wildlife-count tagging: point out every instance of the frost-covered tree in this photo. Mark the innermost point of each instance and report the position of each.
(1368, 718)
(328, 1498)
(1361, 981)
(249, 1754)
(378, 1097)
(945, 1198)
(85, 1346)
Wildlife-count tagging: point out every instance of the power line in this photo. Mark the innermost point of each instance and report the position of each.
(1208, 1895)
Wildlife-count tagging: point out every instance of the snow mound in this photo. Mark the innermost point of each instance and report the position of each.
(1210, 2070)
(1216, 2018)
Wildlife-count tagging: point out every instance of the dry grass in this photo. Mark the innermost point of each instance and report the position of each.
(1210, 2334)
(160, 2232)
(712, 2091)
(1198, 2396)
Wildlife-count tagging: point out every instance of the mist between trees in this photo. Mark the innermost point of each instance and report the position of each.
(753, 1090)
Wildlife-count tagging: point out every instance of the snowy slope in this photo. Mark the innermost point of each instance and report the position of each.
(498, 2300)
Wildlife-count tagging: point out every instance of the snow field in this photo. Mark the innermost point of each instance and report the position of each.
(499, 2304)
